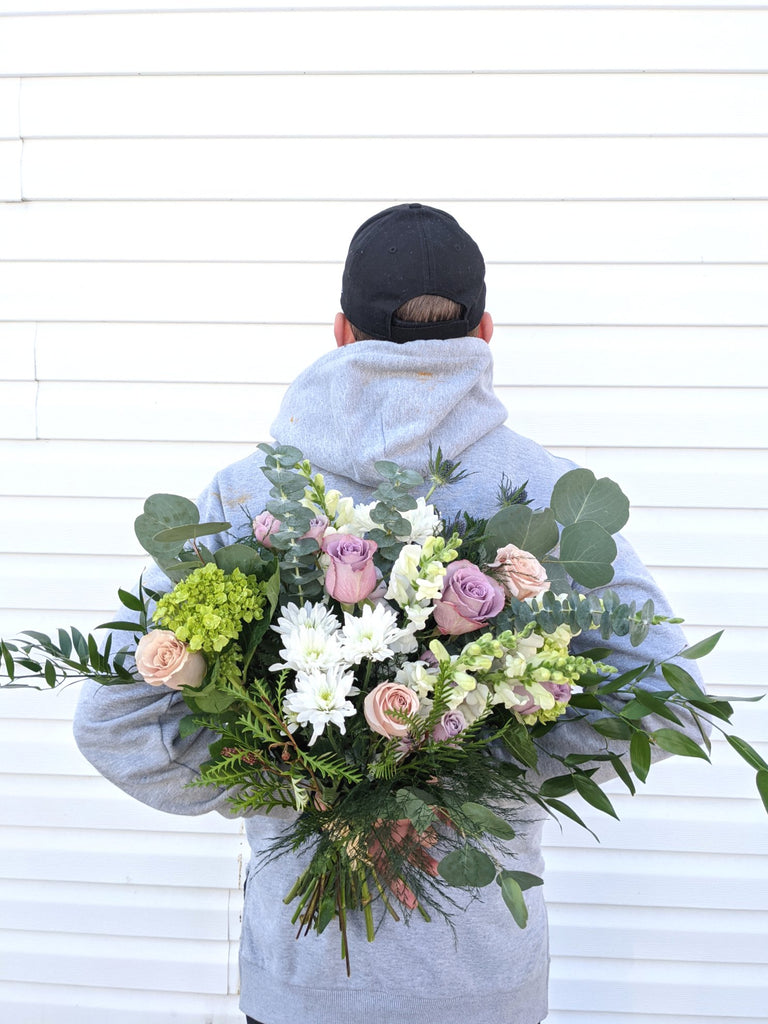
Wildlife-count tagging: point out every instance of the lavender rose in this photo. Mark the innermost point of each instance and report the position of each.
(317, 528)
(519, 572)
(388, 697)
(450, 725)
(163, 660)
(560, 691)
(351, 576)
(263, 525)
(469, 599)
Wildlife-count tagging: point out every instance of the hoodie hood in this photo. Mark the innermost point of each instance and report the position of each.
(376, 400)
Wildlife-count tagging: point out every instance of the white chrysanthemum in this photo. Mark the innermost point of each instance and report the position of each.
(369, 635)
(308, 648)
(424, 522)
(320, 698)
(316, 616)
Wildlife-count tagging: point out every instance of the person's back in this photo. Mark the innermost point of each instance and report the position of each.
(412, 369)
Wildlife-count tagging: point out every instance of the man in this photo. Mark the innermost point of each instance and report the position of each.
(412, 367)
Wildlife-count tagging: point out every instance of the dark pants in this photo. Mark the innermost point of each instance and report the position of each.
(250, 1020)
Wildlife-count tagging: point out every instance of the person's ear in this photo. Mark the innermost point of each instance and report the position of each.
(342, 331)
(485, 327)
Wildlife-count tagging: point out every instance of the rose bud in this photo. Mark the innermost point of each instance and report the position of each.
(263, 525)
(351, 575)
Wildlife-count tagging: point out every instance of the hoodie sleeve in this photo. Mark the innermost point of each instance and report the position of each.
(130, 733)
(572, 733)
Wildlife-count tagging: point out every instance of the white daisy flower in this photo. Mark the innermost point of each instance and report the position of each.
(316, 616)
(369, 635)
(309, 648)
(320, 698)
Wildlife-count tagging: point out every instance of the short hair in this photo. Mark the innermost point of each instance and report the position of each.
(423, 309)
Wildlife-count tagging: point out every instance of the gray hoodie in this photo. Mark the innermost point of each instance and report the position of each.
(369, 401)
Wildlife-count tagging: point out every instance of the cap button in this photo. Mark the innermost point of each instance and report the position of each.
(414, 206)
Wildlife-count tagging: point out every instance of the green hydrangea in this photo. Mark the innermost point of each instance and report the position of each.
(208, 608)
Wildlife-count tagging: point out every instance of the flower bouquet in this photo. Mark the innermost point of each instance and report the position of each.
(392, 677)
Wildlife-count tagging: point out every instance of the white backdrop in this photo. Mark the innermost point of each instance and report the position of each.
(178, 185)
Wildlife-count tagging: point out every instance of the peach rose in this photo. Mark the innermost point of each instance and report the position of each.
(162, 660)
(388, 697)
(519, 572)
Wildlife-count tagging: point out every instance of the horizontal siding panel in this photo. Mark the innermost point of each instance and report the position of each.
(17, 351)
(91, 526)
(577, 168)
(117, 469)
(718, 598)
(307, 105)
(679, 417)
(308, 293)
(463, 40)
(659, 879)
(658, 933)
(10, 89)
(658, 987)
(89, 1003)
(10, 171)
(651, 477)
(514, 231)
(92, 802)
(17, 409)
(141, 910)
(124, 962)
(61, 582)
(156, 858)
(690, 356)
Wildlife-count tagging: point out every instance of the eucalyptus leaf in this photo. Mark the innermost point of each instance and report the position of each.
(578, 496)
(190, 531)
(238, 556)
(535, 532)
(487, 821)
(163, 512)
(586, 553)
(467, 867)
(512, 895)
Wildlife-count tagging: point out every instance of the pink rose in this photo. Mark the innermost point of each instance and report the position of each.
(469, 599)
(263, 525)
(162, 660)
(450, 725)
(383, 699)
(351, 576)
(519, 572)
(317, 528)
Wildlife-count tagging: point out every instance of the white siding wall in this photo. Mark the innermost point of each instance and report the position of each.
(177, 190)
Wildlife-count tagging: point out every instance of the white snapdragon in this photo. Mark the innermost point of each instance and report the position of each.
(319, 699)
(424, 522)
(419, 677)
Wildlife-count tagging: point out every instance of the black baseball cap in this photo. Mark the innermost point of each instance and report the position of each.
(403, 252)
